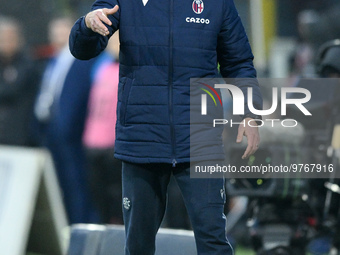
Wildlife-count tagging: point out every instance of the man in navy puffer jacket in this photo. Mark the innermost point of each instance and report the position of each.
(162, 45)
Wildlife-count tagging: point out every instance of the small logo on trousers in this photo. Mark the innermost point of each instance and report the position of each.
(126, 203)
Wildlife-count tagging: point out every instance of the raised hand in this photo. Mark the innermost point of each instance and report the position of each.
(96, 19)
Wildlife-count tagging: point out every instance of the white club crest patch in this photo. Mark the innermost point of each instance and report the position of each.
(198, 6)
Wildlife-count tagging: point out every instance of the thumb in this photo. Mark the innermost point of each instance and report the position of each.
(240, 135)
(111, 11)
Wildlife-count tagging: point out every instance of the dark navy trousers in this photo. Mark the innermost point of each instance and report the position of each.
(144, 204)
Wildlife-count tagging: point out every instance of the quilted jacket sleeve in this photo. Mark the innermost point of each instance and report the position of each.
(235, 56)
(84, 43)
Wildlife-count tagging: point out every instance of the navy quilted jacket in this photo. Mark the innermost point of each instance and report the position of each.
(163, 44)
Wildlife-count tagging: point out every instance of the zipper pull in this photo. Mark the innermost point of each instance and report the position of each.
(174, 162)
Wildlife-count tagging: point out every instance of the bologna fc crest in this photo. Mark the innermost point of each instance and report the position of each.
(197, 6)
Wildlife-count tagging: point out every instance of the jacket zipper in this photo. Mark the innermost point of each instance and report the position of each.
(172, 129)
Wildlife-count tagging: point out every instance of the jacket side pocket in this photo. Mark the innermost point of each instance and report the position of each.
(125, 100)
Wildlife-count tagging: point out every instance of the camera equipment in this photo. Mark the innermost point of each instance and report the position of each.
(328, 56)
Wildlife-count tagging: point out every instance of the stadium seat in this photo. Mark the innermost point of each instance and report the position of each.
(85, 239)
(113, 241)
(109, 240)
(168, 242)
(179, 242)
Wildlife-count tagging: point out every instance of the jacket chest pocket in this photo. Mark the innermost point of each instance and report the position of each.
(125, 100)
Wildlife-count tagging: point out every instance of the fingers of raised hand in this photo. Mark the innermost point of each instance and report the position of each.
(96, 21)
